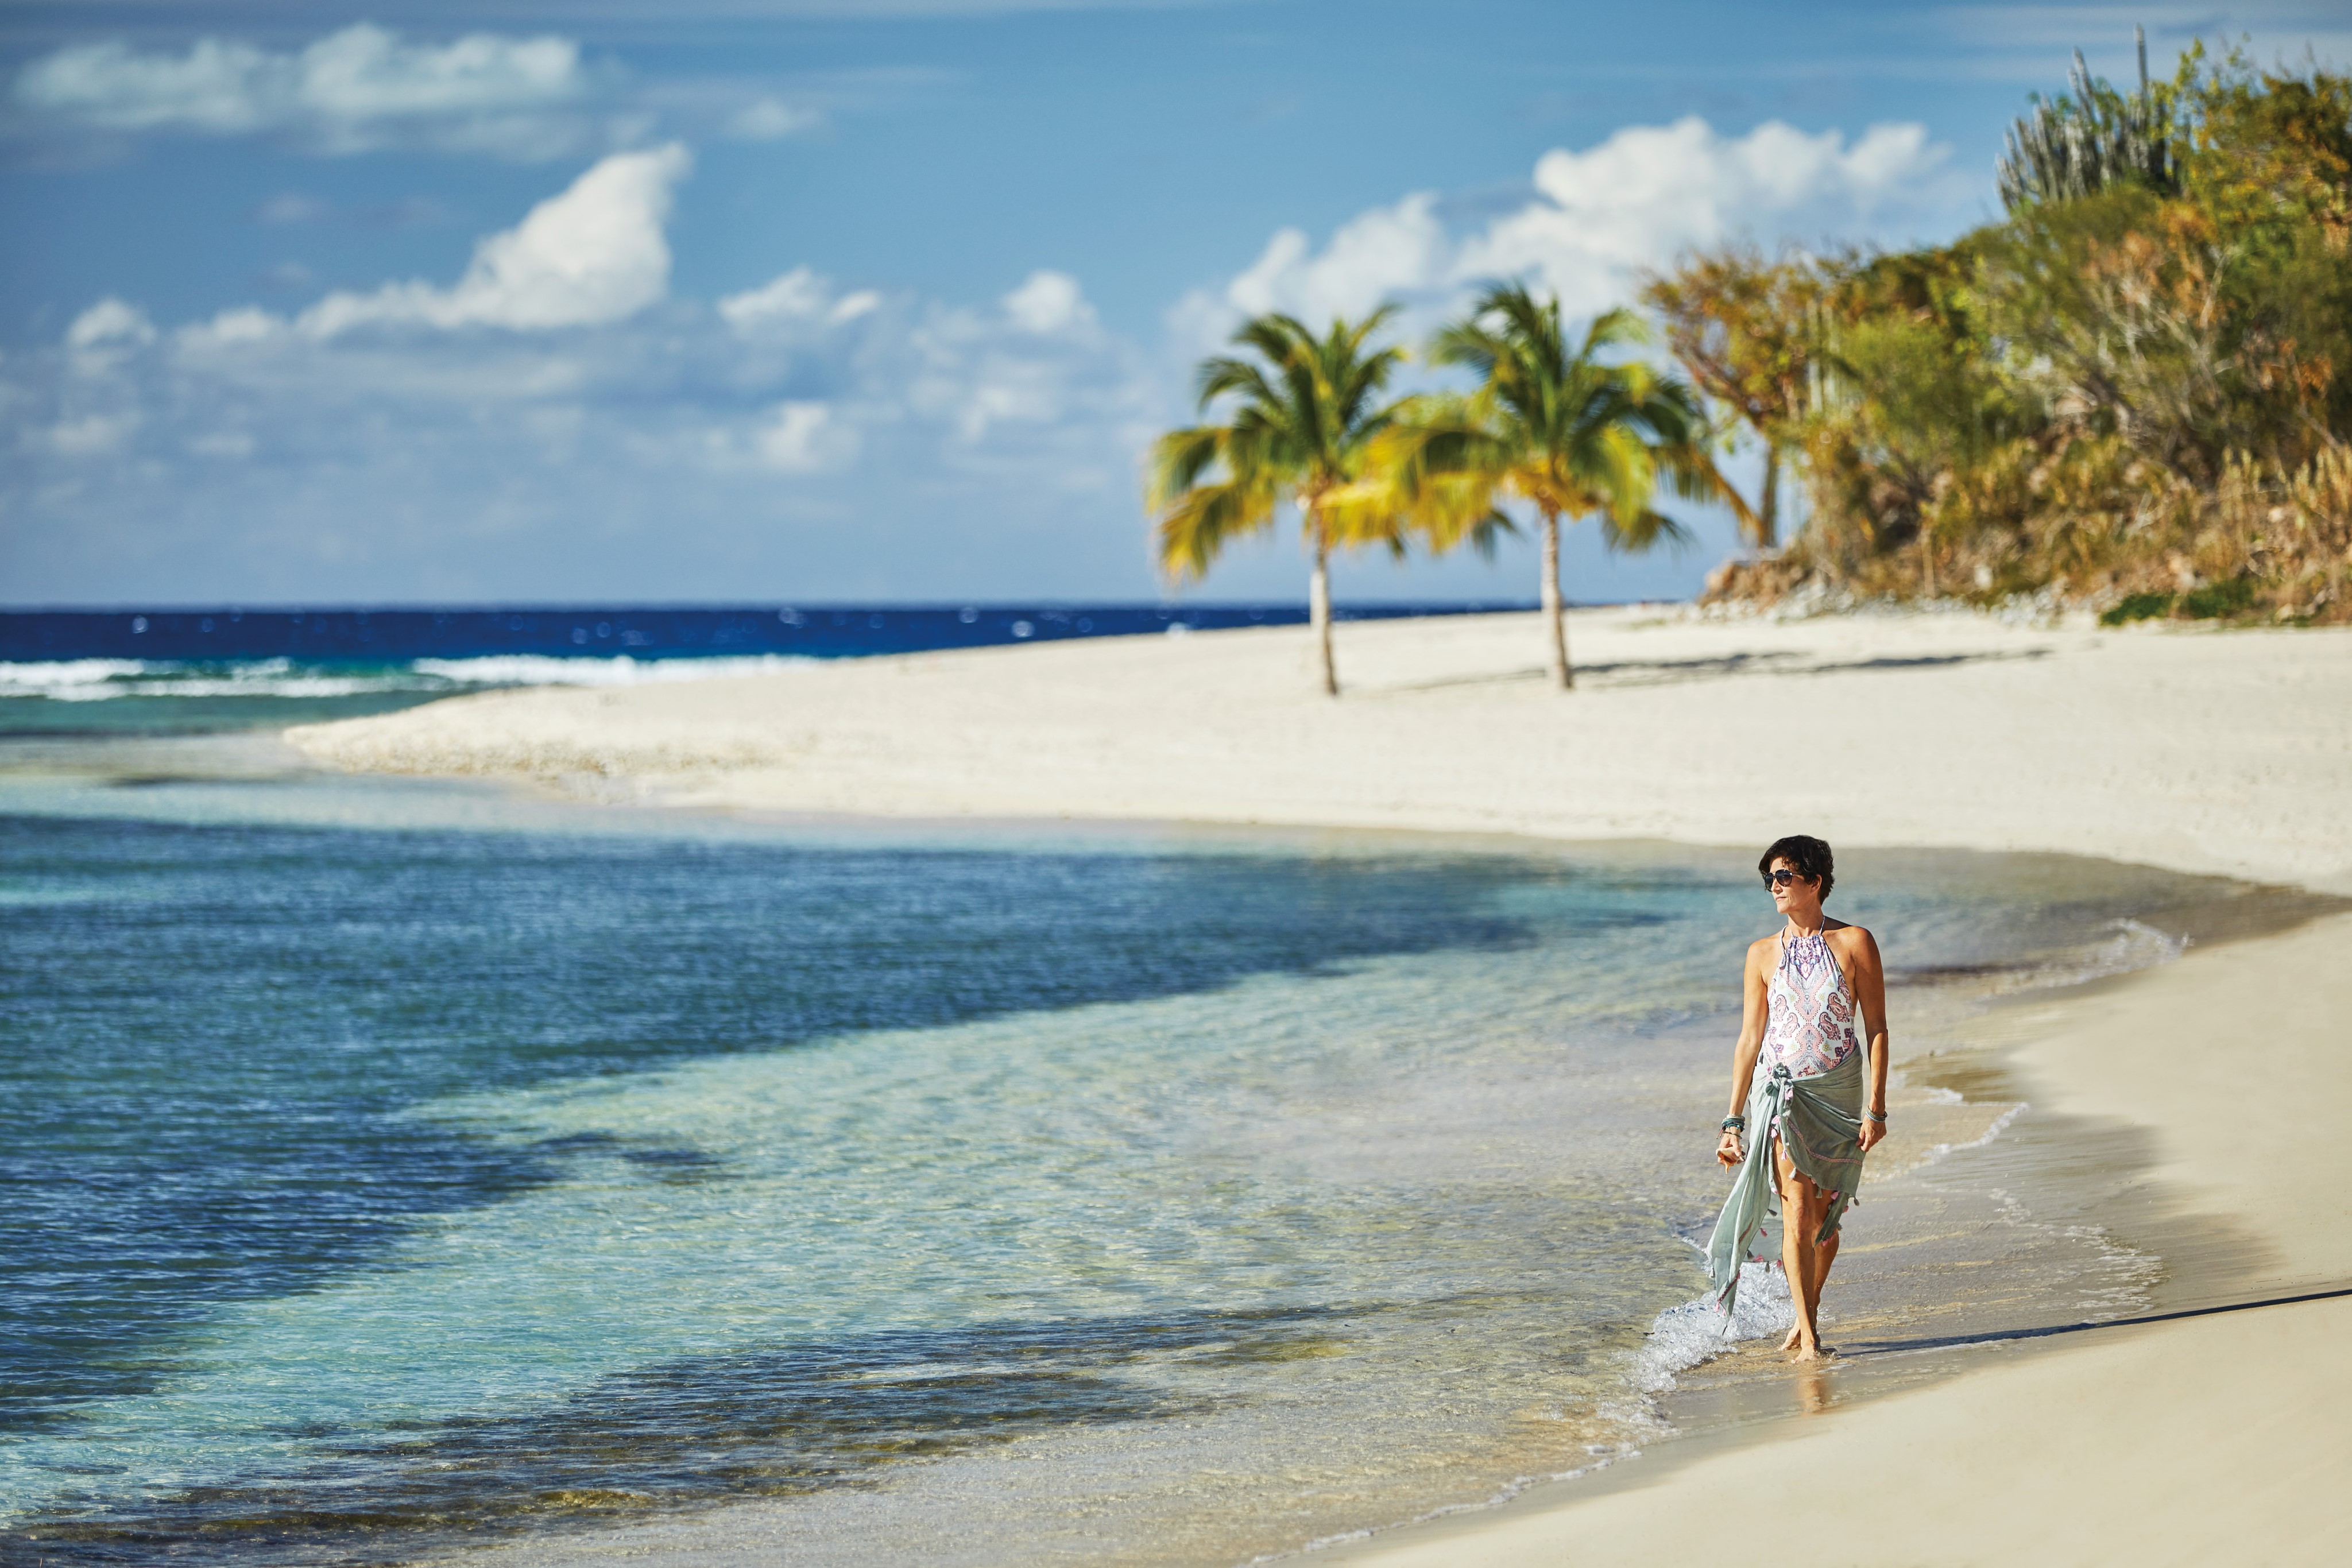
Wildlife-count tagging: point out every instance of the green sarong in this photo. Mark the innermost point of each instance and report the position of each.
(1821, 1126)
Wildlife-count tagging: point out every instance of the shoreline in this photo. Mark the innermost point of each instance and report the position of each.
(2196, 752)
(2164, 1441)
(1916, 731)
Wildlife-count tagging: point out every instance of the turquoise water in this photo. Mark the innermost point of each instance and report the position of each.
(397, 1167)
(120, 697)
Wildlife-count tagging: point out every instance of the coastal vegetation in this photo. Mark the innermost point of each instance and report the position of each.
(2133, 393)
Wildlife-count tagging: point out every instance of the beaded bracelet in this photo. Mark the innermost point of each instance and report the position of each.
(1877, 1116)
(1735, 1124)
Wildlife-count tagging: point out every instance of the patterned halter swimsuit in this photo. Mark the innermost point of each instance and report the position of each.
(1809, 1018)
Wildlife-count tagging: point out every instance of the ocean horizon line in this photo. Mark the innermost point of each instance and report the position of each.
(544, 606)
(353, 635)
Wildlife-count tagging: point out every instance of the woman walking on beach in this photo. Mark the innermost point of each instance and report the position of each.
(1802, 1125)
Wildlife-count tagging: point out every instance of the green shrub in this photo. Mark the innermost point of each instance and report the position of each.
(2217, 601)
(2138, 607)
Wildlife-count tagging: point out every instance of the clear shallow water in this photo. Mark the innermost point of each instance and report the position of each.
(113, 697)
(397, 1166)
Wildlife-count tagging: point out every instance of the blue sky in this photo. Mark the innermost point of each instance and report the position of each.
(761, 299)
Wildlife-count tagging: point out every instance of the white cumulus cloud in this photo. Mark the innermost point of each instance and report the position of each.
(1598, 218)
(360, 88)
(109, 323)
(238, 325)
(1371, 257)
(806, 438)
(1649, 192)
(1049, 302)
(596, 253)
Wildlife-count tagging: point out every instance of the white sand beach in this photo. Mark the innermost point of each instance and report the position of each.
(2209, 752)
(2214, 1439)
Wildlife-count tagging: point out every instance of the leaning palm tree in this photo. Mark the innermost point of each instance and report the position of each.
(1307, 411)
(1570, 430)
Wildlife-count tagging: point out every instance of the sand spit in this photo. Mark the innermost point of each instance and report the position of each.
(2213, 1439)
(2226, 752)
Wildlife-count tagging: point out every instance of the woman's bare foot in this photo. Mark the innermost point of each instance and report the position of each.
(1816, 1352)
(1796, 1336)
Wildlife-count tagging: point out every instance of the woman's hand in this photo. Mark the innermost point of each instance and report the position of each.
(1728, 1151)
(1872, 1131)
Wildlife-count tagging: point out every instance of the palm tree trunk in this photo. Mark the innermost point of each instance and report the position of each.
(1768, 505)
(1555, 613)
(1319, 605)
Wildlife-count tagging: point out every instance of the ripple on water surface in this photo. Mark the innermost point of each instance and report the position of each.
(383, 1187)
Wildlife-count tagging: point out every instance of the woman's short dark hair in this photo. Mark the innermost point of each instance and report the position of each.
(1808, 857)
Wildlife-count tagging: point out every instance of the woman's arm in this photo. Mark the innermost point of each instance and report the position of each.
(1869, 991)
(1743, 1055)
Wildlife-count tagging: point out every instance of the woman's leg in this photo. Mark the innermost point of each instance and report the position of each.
(1823, 1256)
(1803, 1206)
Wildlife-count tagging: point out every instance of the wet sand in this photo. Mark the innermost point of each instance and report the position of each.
(2214, 1438)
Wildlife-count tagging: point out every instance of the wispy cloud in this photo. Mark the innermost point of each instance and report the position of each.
(2031, 43)
(354, 90)
(365, 89)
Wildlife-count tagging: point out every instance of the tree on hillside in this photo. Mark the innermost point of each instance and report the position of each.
(2134, 389)
(1304, 414)
(1746, 333)
(1566, 427)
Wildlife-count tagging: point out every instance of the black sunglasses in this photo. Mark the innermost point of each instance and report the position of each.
(1783, 878)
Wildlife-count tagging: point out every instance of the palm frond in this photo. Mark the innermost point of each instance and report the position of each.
(1177, 461)
(1622, 473)
(1304, 413)
(1468, 344)
(1196, 528)
(1223, 376)
(1575, 427)
(1616, 329)
(1645, 532)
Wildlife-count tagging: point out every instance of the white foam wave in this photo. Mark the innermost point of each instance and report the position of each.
(544, 670)
(2131, 944)
(1686, 1336)
(101, 680)
(2000, 1125)
(63, 676)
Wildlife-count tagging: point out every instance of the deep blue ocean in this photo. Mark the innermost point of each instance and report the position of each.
(187, 670)
(225, 633)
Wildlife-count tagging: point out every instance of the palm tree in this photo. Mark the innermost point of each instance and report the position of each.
(1568, 430)
(1307, 416)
